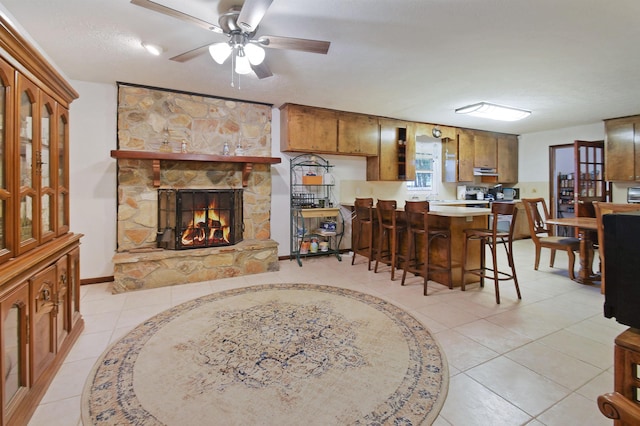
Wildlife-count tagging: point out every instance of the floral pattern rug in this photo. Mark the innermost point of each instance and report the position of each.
(277, 354)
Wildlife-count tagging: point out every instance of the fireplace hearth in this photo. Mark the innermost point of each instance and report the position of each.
(199, 218)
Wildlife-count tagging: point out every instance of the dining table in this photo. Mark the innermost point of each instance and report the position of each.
(585, 227)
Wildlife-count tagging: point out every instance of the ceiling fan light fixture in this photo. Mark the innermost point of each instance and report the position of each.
(494, 112)
(154, 49)
(255, 53)
(220, 52)
(243, 66)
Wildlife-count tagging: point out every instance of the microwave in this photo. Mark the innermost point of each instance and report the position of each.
(633, 195)
(511, 194)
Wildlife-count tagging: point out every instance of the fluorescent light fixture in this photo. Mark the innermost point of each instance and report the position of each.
(494, 112)
(154, 49)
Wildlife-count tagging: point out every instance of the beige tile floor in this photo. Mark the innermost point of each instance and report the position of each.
(539, 361)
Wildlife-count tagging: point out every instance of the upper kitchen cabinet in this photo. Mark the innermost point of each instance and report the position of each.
(485, 150)
(395, 161)
(622, 149)
(507, 158)
(466, 154)
(308, 129)
(358, 134)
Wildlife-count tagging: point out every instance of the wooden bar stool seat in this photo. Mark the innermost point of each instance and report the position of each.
(390, 229)
(492, 237)
(364, 225)
(418, 228)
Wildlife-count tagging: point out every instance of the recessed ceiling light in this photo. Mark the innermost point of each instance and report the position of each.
(494, 112)
(154, 49)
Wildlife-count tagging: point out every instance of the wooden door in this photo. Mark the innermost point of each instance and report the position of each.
(507, 158)
(621, 150)
(61, 300)
(7, 164)
(14, 310)
(485, 150)
(589, 181)
(465, 156)
(358, 134)
(308, 129)
(43, 331)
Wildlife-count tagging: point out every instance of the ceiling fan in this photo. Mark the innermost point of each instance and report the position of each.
(239, 24)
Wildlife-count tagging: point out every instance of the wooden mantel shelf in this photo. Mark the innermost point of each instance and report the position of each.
(247, 162)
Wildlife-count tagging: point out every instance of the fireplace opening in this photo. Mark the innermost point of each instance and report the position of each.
(197, 218)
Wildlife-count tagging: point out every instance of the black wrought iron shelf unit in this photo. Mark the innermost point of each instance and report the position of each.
(317, 224)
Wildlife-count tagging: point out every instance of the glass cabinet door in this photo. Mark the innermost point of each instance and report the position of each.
(13, 329)
(46, 170)
(28, 217)
(6, 177)
(63, 170)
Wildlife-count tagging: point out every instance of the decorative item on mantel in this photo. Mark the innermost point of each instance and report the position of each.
(225, 148)
(183, 146)
(165, 146)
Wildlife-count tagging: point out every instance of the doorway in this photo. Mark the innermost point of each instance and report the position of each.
(576, 179)
(561, 175)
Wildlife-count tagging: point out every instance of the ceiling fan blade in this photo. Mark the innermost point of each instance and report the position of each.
(262, 70)
(252, 13)
(302, 44)
(187, 56)
(156, 7)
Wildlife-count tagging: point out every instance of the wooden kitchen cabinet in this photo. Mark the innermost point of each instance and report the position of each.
(395, 161)
(622, 149)
(466, 155)
(485, 150)
(507, 158)
(308, 129)
(38, 273)
(358, 134)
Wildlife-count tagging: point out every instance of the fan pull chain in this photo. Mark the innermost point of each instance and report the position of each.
(233, 64)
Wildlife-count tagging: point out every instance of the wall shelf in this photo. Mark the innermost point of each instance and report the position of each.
(156, 157)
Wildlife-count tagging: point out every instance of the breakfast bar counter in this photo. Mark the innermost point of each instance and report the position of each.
(456, 219)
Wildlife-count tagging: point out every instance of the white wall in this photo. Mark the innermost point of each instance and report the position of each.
(93, 176)
(533, 167)
(533, 155)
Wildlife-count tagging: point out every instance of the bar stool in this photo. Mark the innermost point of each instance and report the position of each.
(364, 224)
(417, 218)
(390, 230)
(493, 236)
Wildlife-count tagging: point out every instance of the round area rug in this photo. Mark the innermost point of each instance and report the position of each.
(278, 354)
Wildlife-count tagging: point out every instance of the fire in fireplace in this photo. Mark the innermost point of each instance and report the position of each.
(197, 218)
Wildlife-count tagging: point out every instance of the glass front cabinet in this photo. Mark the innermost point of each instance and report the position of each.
(39, 256)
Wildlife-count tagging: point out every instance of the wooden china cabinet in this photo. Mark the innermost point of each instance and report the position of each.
(39, 256)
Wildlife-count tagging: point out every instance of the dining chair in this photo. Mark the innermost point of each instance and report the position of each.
(390, 229)
(364, 224)
(418, 228)
(543, 235)
(493, 236)
(602, 208)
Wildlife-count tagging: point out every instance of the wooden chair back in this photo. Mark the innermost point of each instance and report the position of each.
(498, 211)
(601, 209)
(386, 213)
(364, 209)
(536, 208)
(414, 213)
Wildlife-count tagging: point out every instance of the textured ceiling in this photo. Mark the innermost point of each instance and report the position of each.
(571, 62)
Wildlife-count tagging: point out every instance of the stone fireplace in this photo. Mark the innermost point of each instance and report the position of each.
(198, 218)
(149, 120)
